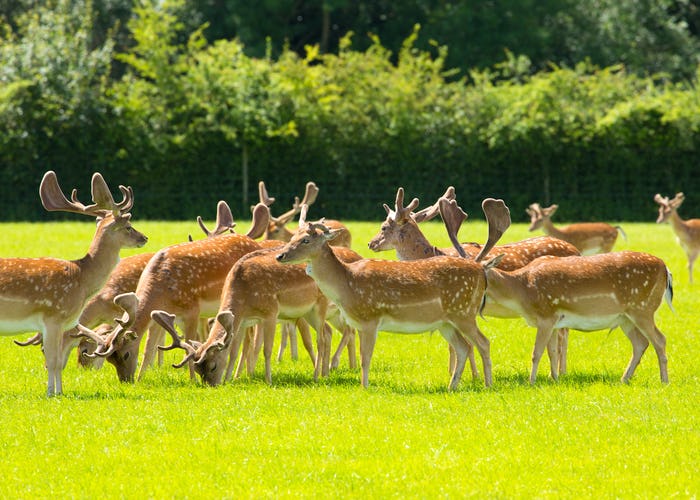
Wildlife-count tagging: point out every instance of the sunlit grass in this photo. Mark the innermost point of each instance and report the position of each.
(406, 435)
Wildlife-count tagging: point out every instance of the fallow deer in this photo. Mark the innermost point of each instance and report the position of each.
(587, 293)
(589, 237)
(46, 294)
(687, 231)
(442, 293)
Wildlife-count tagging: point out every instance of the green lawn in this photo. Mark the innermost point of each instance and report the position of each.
(406, 436)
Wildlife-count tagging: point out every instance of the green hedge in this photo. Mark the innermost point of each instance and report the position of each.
(190, 121)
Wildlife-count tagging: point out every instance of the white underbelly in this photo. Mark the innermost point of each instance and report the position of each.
(388, 324)
(588, 323)
(29, 324)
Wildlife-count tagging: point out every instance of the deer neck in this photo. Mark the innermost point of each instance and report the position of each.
(102, 257)
(549, 229)
(413, 245)
(680, 227)
(330, 274)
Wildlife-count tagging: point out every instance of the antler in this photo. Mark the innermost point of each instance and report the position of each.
(53, 199)
(224, 220)
(107, 344)
(453, 216)
(403, 213)
(498, 219)
(261, 219)
(430, 212)
(309, 198)
(35, 340)
(167, 321)
(262, 193)
(225, 319)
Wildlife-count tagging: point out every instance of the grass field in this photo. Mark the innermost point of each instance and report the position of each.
(586, 436)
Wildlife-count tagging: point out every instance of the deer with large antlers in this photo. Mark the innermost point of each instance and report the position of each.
(589, 237)
(585, 293)
(185, 279)
(259, 290)
(400, 231)
(442, 293)
(47, 294)
(687, 231)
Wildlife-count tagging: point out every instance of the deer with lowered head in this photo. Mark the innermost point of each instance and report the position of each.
(443, 293)
(185, 279)
(47, 294)
(586, 293)
(687, 231)
(589, 237)
(401, 232)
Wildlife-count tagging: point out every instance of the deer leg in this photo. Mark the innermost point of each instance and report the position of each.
(284, 335)
(639, 346)
(52, 337)
(268, 336)
(293, 341)
(458, 348)
(368, 338)
(473, 337)
(563, 334)
(648, 329)
(344, 341)
(306, 338)
(691, 260)
(153, 338)
(258, 337)
(544, 333)
(352, 352)
(553, 354)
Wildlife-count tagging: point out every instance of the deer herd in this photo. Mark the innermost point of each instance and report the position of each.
(227, 292)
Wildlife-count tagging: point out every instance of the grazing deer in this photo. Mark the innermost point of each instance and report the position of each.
(587, 293)
(400, 231)
(589, 237)
(101, 309)
(46, 294)
(186, 279)
(687, 231)
(442, 293)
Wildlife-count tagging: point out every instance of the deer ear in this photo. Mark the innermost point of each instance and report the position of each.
(332, 234)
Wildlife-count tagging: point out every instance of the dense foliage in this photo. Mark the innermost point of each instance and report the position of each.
(193, 121)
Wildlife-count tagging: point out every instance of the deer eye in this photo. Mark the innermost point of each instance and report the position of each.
(305, 241)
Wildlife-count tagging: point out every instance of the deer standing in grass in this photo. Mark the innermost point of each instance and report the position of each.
(687, 231)
(277, 231)
(186, 279)
(442, 293)
(400, 231)
(586, 293)
(47, 294)
(589, 237)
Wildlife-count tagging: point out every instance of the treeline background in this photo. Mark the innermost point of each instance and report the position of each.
(591, 104)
